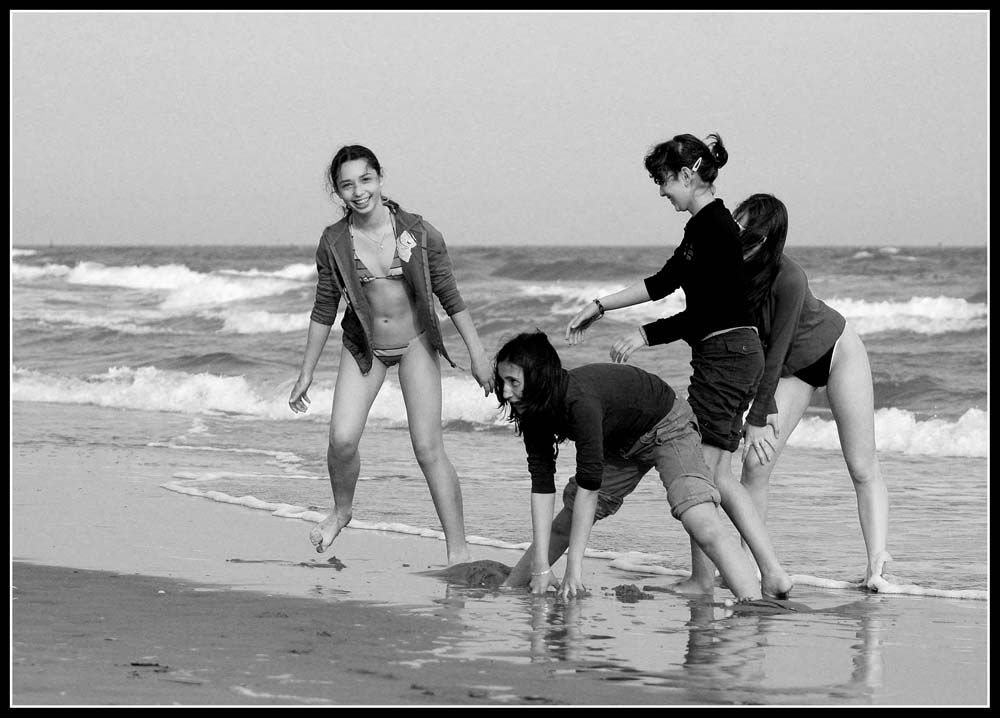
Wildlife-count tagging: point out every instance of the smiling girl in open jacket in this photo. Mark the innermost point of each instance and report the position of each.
(387, 264)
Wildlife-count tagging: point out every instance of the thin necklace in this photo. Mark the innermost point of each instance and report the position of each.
(385, 234)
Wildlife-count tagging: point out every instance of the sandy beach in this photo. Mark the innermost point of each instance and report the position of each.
(124, 593)
(173, 191)
(194, 603)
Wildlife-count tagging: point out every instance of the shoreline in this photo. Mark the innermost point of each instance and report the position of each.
(120, 639)
(165, 608)
(126, 593)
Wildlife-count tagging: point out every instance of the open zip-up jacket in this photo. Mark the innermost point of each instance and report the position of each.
(426, 266)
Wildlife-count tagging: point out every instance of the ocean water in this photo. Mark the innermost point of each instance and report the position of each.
(199, 347)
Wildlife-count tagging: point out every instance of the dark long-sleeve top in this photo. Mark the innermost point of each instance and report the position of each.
(708, 265)
(796, 329)
(604, 409)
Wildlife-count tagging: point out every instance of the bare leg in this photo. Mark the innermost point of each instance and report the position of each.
(520, 575)
(740, 508)
(792, 395)
(420, 380)
(352, 400)
(702, 578)
(705, 527)
(851, 399)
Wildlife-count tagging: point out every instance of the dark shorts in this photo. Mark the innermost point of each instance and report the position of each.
(726, 371)
(817, 374)
(673, 446)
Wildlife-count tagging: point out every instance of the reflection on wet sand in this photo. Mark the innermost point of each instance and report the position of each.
(687, 650)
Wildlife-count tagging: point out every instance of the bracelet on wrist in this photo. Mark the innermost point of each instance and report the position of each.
(542, 573)
(600, 307)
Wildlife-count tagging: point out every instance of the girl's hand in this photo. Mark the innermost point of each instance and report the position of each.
(762, 440)
(579, 324)
(622, 349)
(572, 586)
(299, 400)
(540, 583)
(482, 371)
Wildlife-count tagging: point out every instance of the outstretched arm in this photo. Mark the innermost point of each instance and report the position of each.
(586, 420)
(635, 294)
(520, 575)
(482, 369)
(623, 347)
(298, 400)
(541, 528)
(584, 508)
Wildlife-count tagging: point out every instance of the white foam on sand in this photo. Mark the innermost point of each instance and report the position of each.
(105, 508)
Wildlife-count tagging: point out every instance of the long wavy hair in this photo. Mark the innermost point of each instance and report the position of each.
(763, 229)
(543, 378)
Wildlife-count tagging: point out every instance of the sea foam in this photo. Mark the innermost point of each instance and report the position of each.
(629, 561)
(151, 389)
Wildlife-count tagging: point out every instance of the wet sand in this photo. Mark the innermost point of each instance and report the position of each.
(124, 593)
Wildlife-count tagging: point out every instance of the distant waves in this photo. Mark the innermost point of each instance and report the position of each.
(206, 392)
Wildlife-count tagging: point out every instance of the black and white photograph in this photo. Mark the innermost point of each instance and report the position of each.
(502, 358)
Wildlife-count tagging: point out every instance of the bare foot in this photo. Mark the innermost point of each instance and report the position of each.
(690, 587)
(876, 580)
(327, 530)
(776, 586)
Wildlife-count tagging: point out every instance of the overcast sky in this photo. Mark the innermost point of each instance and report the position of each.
(499, 127)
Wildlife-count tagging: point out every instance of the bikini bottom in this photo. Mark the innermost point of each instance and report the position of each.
(391, 356)
(817, 374)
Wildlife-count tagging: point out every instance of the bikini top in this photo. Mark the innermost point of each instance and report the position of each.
(395, 269)
(365, 275)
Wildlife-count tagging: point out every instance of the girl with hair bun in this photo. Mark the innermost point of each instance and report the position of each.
(727, 359)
